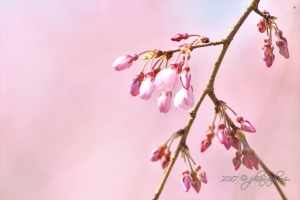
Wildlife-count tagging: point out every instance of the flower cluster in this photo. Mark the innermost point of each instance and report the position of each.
(195, 176)
(165, 79)
(249, 158)
(267, 24)
(163, 152)
(232, 136)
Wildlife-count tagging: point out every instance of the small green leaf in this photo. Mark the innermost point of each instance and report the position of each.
(146, 56)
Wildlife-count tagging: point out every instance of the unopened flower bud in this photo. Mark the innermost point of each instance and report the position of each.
(124, 62)
(164, 102)
(186, 180)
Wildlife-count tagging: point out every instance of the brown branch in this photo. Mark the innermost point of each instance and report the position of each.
(195, 46)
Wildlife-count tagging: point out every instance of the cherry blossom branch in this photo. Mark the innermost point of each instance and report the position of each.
(209, 90)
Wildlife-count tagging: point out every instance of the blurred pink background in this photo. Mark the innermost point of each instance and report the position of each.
(70, 130)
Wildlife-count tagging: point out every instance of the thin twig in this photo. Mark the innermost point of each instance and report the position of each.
(270, 174)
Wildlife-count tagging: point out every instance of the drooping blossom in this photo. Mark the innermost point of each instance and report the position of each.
(157, 153)
(246, 125)
(267, 54)
(261, 26)
(282, 44)
(134, 88)
(164, 102)
(201, 173)
(165, 159)
(196, 183)
(185, 77)
(209, 136)
(246, 160)
(237, 160)
(167, 78)
(221, 132)
(184, 98)
(147, 88)
(235, 143)
(186, 180)
(124, 62)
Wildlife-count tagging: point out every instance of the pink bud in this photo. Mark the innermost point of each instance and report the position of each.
(186, 180)
(124, 62)
(196, 184)
(185, 77)
(227, 143)
(246, 160)
(235, 143)
(147, 88)
(246, 125)
(283, 47)
(202, 176)
(205, 144)
(178, 37)
(267, 55)
(134, 88)
(222, 133)
(164, 102)
(236, 162)
(157, 153)
(261, 26)
(165, 161)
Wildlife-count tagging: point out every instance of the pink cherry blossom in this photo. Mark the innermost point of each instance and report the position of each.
(184, 99)
(166, 79)
(147, 88)
(164, 102)
(124, 62)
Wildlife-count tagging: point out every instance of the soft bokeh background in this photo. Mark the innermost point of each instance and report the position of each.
(70, 130)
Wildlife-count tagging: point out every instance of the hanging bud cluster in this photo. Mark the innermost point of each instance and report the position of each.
(232, 136)
(267, 24)
(163, 79)
(195, 175)
(163, 152)
(245, 154)
(224, 132)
